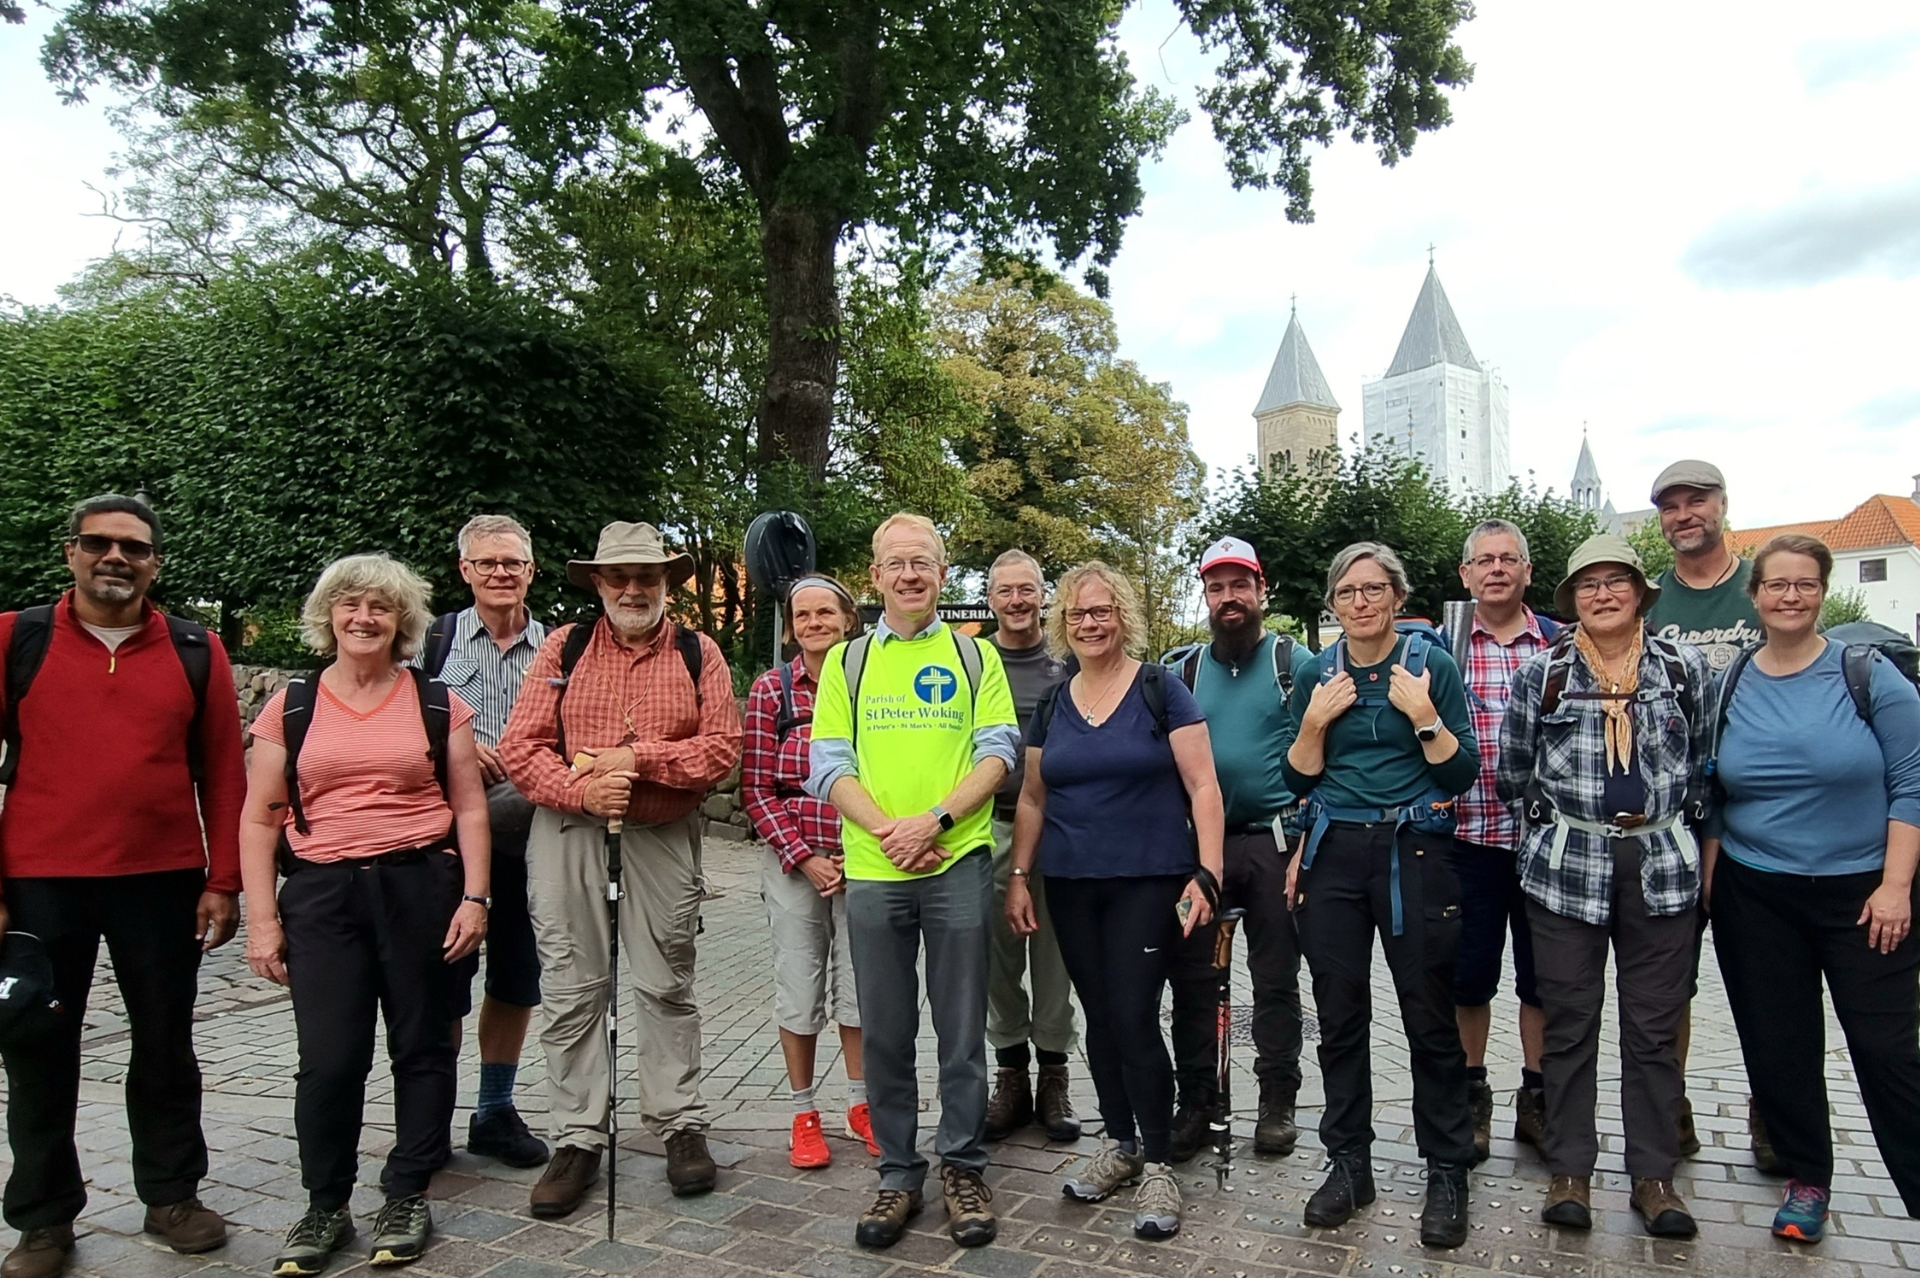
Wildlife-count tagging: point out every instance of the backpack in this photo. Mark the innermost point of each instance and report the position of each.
(1856, 668)
(1422, 638)
(853, 664)
(580, 634)
(438, 645)
(1186, 661)
(1153, 691)
(33, 634)
(788, 719)
(296, 717)
(1458, 638)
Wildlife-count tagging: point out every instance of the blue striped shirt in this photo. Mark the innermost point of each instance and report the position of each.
(485, 677)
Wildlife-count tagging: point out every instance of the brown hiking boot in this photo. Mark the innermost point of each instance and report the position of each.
(1764, 1159)
(970, 1220)
(1052, 1108)
(40, 1253)
(563, 1186)
(882, 1224)
(690, 1168)
(1569, 1203)
(1011, 1106)
(1480, 1104)
(1689, 1138)
(1530, 1116)
(189, 1227)
(1662, 1210)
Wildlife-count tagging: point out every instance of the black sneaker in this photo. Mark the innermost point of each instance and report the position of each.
(504, 1135)
(1191, 1131)
(312, 1241)
(1443, 1221)
(401, 1230)
(1348, 1186)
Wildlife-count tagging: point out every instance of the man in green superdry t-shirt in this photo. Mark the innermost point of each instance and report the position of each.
(913, 730)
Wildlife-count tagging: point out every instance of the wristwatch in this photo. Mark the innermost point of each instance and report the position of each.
(1431, 731)
(943, 816)
(484, 902)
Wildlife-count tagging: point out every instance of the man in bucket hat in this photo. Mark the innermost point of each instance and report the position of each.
(647, 710)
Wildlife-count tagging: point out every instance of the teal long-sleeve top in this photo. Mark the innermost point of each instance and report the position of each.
(1373, 758)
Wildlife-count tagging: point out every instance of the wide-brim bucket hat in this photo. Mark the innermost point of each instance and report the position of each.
(1604, 548)
(626, 545)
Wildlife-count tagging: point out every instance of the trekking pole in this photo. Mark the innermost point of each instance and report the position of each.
(1222, 1121)
(614, 825)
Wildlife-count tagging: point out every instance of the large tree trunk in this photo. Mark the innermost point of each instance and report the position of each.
(803, 348)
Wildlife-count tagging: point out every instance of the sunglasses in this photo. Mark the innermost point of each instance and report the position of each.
(96, 545)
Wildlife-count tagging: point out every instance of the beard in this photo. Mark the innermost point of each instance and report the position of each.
(1235, 637)
(636, 622)
(110, 589)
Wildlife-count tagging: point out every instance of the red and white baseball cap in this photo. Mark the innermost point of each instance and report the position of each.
(1229, 550)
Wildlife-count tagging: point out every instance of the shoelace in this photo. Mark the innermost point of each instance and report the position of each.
(968, 1191)
(1804, 1198)
(310, 1228)
(888, 1200)
(1159, 1190)
(398, 1214)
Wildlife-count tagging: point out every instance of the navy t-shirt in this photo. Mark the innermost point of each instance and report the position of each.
(1115, 804)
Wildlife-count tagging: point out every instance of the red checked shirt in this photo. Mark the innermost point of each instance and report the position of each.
(618, 696)
(1482, 817)
(795, 824)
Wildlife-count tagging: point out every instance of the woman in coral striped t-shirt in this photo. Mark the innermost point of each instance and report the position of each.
(386, 886)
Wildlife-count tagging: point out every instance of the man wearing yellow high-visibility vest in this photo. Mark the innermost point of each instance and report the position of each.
(913, 730)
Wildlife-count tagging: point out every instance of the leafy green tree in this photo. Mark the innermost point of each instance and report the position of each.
(1656, 556)
(1843, 606)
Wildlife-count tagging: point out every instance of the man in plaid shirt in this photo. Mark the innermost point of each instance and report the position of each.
(1501, 633)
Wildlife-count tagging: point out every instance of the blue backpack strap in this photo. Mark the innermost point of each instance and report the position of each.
(1414, 656)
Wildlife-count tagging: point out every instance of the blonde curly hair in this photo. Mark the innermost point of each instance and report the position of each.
(1132, 617)
(382, 576)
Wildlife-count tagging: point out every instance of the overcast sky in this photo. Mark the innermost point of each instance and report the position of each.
(1693, 227)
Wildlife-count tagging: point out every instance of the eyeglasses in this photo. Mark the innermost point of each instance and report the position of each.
(1777, 587)
(1016, 592)
(921, 567)
(1371, 591)
(622, 578)
(1100, 614)
(489, 567)
(1618, 583)
(1485, 562)
(96, 545)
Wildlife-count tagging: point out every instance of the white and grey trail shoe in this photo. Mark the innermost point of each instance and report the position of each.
(1156, 1204)
(1108, 1170)
(401, 1230)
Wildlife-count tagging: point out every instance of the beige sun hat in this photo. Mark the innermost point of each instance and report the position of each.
(1603, 548)
(630, 545)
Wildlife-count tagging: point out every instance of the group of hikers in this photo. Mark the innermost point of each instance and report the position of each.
(1026, 818)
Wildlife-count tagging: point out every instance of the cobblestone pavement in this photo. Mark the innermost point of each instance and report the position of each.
(768, 1218)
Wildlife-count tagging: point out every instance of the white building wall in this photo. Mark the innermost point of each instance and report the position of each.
(1458, 428)
(1894, 602)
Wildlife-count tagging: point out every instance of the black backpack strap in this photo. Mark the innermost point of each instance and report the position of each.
(1190, 667)
(1043, 711)
(32, 634)
(439, 643)
(579, 635)
(1728, 682)
(1856, 666)
(787, 720)
(296, 716)
(1678, 677)
(1283, 666)
(196, 658)
(436, 716)
(693, 656)
(1559, 663)
(1153, 691)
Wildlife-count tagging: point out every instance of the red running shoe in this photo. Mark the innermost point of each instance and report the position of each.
(860, 1125)
(809, 1143)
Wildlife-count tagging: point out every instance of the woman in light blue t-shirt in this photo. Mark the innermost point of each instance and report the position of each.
(1810, 875)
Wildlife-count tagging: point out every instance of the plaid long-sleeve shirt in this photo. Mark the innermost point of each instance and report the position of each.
(1567, 750)
(642, 698)
(1483, 817)
(794, 823)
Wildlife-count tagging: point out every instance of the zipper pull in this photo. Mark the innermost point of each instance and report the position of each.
(113, 662)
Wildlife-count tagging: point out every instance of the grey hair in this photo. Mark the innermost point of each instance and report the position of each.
(405, 590)
(492, 526)
(1489, 527)
(1017, 556)
(1378, 552)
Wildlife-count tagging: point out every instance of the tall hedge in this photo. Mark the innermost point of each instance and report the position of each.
(279, 421)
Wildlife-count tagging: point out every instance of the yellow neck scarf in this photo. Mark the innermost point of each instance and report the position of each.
(1620, 687)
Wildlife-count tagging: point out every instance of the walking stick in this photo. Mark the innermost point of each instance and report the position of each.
(1222, 1120)
(614, 825)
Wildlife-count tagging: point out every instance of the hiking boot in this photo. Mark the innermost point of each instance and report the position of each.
(1190, 1131)
(970, 1220)
(1053, 1109)
(1156, 1204)
(882, 1224)
(1530, 1116)
(310, 1243)
(190, 1227)
(808, 1146)
(1011, 1106)
(1569, 1203)
(1443, 1221)
(1662, 1210)
(690, 1168)
(401, 1230)
(860, 1127)
(1689, 1139)
(1764, 1159)
(1275, 1132)
(40, 1253)
(1480, 1102)
(1348, 1186)
(504, 1135)
(1803, 1213)
(1105, 1172)
(563, 1187)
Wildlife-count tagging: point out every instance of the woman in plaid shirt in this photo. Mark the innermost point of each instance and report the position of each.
(801, 881)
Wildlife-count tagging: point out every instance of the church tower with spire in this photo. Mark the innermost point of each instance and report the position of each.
(1297, 417)
(1586, 480)
(1438, 403)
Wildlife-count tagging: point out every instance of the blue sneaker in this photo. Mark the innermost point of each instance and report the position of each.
(1803, 1214)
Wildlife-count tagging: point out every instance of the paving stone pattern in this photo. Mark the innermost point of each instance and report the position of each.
(768, 1218)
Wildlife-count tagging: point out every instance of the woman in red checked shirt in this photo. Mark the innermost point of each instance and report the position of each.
(801, 882)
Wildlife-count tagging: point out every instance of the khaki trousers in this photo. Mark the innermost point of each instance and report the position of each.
(1013, 1019)
(659, 917)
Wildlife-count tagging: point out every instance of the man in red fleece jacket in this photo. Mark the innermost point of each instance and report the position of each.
(106, 833)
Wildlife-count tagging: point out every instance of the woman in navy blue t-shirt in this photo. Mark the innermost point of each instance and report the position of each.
(1104, 812)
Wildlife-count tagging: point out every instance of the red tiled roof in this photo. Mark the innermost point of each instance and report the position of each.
(1880, 520)
(1744, 541)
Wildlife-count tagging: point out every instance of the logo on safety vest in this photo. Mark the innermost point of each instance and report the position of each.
(934, 685)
